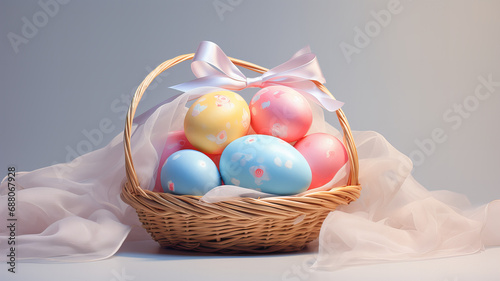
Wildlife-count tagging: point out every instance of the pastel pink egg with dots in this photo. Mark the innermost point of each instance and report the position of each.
(177, 140)
(325, 154)
(281, 112)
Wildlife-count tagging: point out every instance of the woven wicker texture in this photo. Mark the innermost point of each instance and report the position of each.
(273, 224)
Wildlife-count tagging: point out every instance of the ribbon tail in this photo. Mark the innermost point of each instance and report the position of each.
(309, 89)
(188, 95)
(190, 85)
(327, 103)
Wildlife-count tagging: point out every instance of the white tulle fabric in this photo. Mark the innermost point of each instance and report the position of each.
(398, 219)
(73, 211)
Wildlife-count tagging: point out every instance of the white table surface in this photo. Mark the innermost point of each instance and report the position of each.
(145, 260)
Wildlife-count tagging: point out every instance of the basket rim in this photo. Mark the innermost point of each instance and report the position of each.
(134, 195)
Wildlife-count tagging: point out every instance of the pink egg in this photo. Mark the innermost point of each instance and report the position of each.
(176, 141)
(281, 112)
(325, 154)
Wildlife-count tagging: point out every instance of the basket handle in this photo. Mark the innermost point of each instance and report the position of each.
(134, 188)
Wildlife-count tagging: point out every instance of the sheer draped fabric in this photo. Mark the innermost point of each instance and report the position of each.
(73, 211)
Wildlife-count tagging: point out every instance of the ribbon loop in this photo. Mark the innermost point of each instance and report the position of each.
(213, 68)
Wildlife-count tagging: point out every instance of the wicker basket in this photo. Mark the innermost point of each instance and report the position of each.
(275, 224)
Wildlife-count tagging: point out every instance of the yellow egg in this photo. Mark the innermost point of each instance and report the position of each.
(216, 119)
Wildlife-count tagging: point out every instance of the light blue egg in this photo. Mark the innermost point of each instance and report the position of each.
(189, 172)
(265, 163)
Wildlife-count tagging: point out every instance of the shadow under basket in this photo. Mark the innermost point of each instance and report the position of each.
(241, 225)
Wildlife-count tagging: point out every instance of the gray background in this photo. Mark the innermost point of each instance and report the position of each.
(73, 65)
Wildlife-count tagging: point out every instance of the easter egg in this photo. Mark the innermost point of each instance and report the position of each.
(216, 119)
(189, 172)
(265, 163)
(281, 112)
(325, 154)
(176, 140)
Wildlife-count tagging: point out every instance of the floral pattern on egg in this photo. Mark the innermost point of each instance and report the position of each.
(282, 112)
(325, 154)
(219, 139)
(223, 102)
(265, 163)
(259, 174)
(256, 97)
(216, 119)
(198, 109)
(189, 172)
(171, 186)
(279, 130)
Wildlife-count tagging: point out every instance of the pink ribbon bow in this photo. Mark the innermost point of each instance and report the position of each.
(213, 68)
